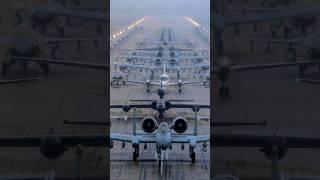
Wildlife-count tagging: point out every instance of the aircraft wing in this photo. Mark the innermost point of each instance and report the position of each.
(298, 40)
(143, 82)
(19, 80)
(234, 140)
(134, 56)
(71, 13)
(117, 106)
(308, 81)
(204, 138)
(137, 82)
(65, 63)
(130, 138)
(93, 140)
(193, 57)
(187, 139)
(269, 66)
(188, 82)
(183, 49)
(148, 49)
(189, 105)
(267, 16)
(69, 40)
(187, 67)
(136, 66)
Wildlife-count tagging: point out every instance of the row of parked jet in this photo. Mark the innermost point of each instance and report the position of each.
(163, 57)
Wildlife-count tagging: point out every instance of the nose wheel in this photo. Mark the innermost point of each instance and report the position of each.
(192, 154)
(135, 154)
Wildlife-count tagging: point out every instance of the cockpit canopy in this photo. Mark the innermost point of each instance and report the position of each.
(164, 78)
(163, 128)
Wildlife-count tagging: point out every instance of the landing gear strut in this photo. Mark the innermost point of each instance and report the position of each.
(135, 154)
(192, 154)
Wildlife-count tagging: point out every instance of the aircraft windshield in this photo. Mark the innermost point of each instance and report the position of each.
(163, 78)
(163, 128)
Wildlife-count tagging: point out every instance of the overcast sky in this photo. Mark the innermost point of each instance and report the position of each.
(126, 11)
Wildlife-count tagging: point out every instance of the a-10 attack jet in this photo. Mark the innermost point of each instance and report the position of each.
(224, 68)
(164, 78)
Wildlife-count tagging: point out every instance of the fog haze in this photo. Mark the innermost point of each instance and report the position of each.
(124, 12)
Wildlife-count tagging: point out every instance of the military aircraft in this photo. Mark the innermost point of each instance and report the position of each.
(175, 57)
(163, 80)
(205, 78)
(275, 147)
(172, 62)
(117, 78)
(221, 22)
(224, 68)
(310, 41)
(165, 47)
(160, 105)
(96, 66)
(102, 17)
(163, 138)
(39, 20)
(297, 23)
(88, 65)
(24, 42)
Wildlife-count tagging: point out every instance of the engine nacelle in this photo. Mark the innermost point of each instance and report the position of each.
(275, 144)
(149, 124)
(51, 147)
(158, 62)
(180, 125)
(172, 62)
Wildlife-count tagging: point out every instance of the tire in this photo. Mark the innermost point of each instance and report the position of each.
(134, 156)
